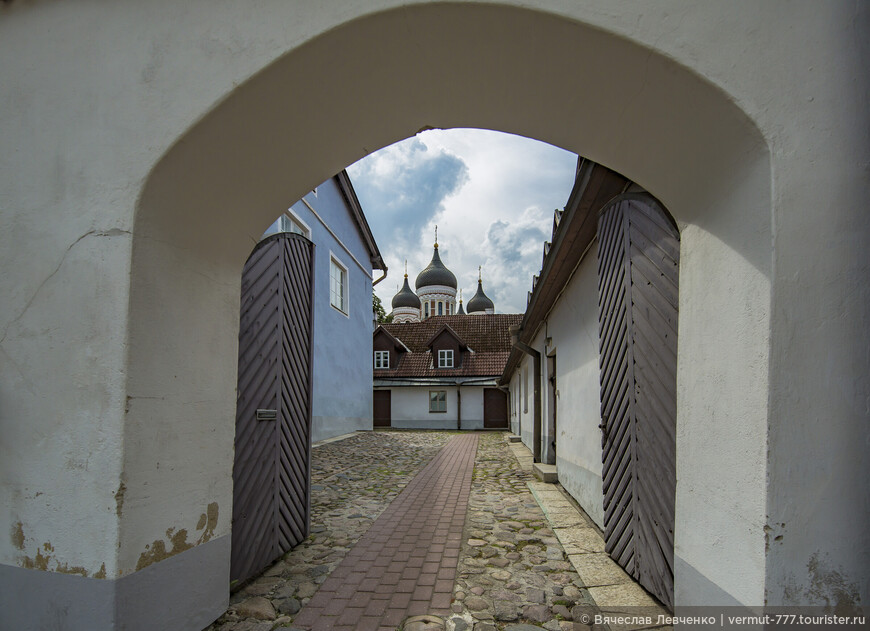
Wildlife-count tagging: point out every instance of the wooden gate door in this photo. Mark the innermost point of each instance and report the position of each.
(638, 275)
(271, 470)
(382, 408)
(494, 409)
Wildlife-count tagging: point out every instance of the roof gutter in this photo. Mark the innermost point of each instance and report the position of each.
(383, 276)
(536, 402)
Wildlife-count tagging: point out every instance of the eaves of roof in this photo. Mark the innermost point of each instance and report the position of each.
(440, 330)
(593, 187)
(347, 190)
(419, 365)
(399, 344)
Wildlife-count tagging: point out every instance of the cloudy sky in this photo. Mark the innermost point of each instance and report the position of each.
(492, 196)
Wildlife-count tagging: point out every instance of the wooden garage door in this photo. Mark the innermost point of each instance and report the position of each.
(271, 469)
(382, 408)
(638, 275)
(494, 409)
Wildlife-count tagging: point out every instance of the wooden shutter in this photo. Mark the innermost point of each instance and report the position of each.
(638, 279)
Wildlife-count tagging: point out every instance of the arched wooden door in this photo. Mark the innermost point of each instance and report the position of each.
(271, 470)
(638, 281)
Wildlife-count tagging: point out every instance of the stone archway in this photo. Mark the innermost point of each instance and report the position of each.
(381, 78)
(139, 297)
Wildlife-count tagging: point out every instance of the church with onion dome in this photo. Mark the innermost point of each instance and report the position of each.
(435, 295)
(436, 365)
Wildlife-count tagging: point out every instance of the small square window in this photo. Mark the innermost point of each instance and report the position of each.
(338, 285)
(437, 400)
(382, 359)
(445, 359)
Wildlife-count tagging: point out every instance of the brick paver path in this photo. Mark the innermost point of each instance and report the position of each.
(405, 564)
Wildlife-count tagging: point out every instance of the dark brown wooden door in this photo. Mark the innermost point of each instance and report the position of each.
(271, 469)
(382, 408)
(495, 414)
(638, 279)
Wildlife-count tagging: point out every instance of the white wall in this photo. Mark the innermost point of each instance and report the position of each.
(140, 163)
(573, 327)
(523, 384)
(410, 408)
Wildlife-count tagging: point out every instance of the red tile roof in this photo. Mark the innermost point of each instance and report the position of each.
(483, 333)
(487, 335)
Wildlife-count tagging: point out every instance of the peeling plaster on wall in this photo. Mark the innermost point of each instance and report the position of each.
(43, 557)
(157, 551)
(18, 536)
(208, 521)
(827, 588)
(119, 498)
(41, 562)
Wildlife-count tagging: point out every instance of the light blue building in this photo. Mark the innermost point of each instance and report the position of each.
(345, 254)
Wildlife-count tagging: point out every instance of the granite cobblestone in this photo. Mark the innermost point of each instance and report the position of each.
(512, 572)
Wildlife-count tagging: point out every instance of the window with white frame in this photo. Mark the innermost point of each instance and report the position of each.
(445, 358)
(295, 225)
(382, 359)
(437, 400)
(288, 222)
(426, 310)
(338, 284)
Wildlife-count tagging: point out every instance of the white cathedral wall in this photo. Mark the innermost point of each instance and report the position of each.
(406, 314)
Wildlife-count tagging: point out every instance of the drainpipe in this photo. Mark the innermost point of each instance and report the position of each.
(458, 407)
(536, 403)
(383, 276)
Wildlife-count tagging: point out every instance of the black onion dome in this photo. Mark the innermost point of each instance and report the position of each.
(436, 274)
(479, 301)
(406, 297)
(460, 311)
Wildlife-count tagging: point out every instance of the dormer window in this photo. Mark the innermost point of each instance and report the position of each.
(382, 360)
(445, 358)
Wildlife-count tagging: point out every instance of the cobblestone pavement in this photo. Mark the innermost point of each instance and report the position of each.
(512, 570)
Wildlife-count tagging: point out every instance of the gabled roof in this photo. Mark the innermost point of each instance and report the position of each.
(487, 335)
(419, 365)
(400, 346)
(483, 333)
(440, 330)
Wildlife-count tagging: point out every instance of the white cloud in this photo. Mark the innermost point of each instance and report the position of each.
(492, 196)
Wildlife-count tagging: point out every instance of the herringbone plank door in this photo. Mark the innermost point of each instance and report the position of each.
(271, 469)
(638, 280)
